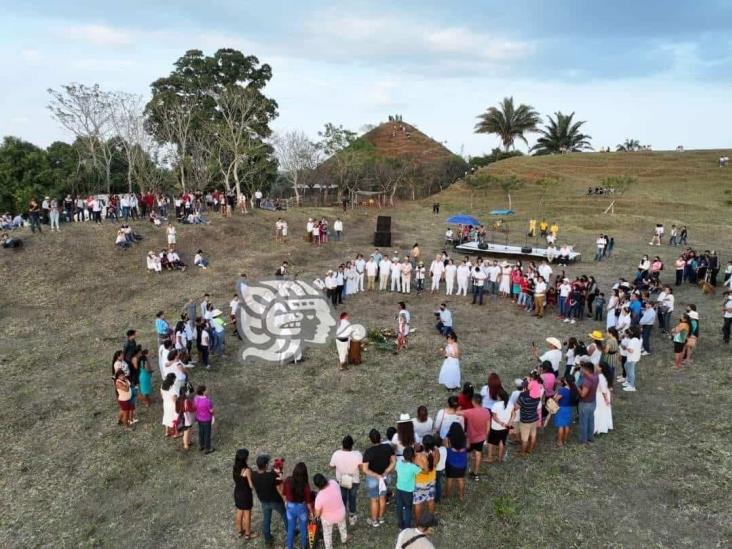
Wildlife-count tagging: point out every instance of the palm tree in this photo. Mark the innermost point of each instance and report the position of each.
(629, 145)
(562, 134)
(508, 122)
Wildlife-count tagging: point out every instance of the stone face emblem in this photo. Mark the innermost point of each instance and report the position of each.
(279, 318)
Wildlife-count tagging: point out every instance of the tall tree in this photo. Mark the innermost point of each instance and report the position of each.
(562, 134)
(184, 103)
(297, 156)
(128, 121)
(508, 122)
(334, 139)
(86, 112)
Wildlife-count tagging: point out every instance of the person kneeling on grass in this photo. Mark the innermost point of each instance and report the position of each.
(200, 261)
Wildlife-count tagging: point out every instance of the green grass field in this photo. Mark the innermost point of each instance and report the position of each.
(72, 478)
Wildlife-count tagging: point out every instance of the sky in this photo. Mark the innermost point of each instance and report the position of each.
(659, 71)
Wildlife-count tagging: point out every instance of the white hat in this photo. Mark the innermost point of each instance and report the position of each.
(404, 418)
(554, 342)
(216, 312)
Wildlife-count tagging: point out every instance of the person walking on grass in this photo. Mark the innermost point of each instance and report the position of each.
(204, 409)
(243, 500)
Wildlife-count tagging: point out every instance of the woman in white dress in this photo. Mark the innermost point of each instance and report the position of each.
(603, 409)
(171, 234)
(450, 371)
(169, 396)
(612, 305)
(450, 275)
(505, 288)
(350, 273)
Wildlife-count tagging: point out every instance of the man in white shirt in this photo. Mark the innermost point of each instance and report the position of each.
(360, 270)
(384, 271)
(600, 243)
(258, 198)
(478, 285)
(553, 353)
(331, 283)
(463, 275)
(396, 275)
(437, 268)
(539, 297)
(371, 270)
(338, 228)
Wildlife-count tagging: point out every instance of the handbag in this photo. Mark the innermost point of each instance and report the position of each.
(346, 482)
(552, 406)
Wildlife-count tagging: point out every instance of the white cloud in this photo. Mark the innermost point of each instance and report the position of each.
(404, 40)
(99, 35)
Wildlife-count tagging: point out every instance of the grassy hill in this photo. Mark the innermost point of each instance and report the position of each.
(399, 140)
(73, 478)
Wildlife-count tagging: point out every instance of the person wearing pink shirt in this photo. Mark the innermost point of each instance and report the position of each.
(204, 410)
(331, 510)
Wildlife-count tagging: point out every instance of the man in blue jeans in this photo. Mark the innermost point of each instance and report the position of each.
(478, 284)
(268, 488)
(587, 396)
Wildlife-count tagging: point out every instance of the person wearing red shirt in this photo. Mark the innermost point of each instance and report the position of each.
(477, 427)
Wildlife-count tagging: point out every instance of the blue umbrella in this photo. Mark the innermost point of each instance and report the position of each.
(462, 219)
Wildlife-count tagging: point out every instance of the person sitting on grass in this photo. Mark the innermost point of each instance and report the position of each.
(121, 240)
(200, 261)
(175, 261)
(10, 242)
(153, 262)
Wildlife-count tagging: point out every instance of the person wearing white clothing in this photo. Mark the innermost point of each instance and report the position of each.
(371, 270)
(463, 275)
(437, 269)
(360, 266)
(170, 231)
(450, 275)
(633, 355)
(384, 271)
(396, 275)
(406, 276)
(343, 340)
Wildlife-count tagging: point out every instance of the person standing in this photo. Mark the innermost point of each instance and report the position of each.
(633, 354)
(679, 335)
(338, 228)
(396, 275)
(243, 500)
(477, 426)
(419, 276)
(258, 199)
(384, 271)
(403, 321)
(330, 509)
(406, 473)
(204, 409)
(268, 487)
(34, 216)
(406, 271)
(646, 325)
(727, 316)
(450, 370)
(347, 464)
(378, 463)
(450, 275)
(343, 340)
(463, 275)
(371, 269)
(588, 402)
(360, 267)
(437, 269)
(298, 498)
(478, 285)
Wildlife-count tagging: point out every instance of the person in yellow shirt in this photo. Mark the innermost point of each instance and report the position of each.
(532, 227)
(554, 229)
(543, 226)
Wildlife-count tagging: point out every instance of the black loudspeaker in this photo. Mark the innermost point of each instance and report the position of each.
(382, 239)
(383, 224)
(526, 249)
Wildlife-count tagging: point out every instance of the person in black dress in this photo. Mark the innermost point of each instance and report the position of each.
(243, 494)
